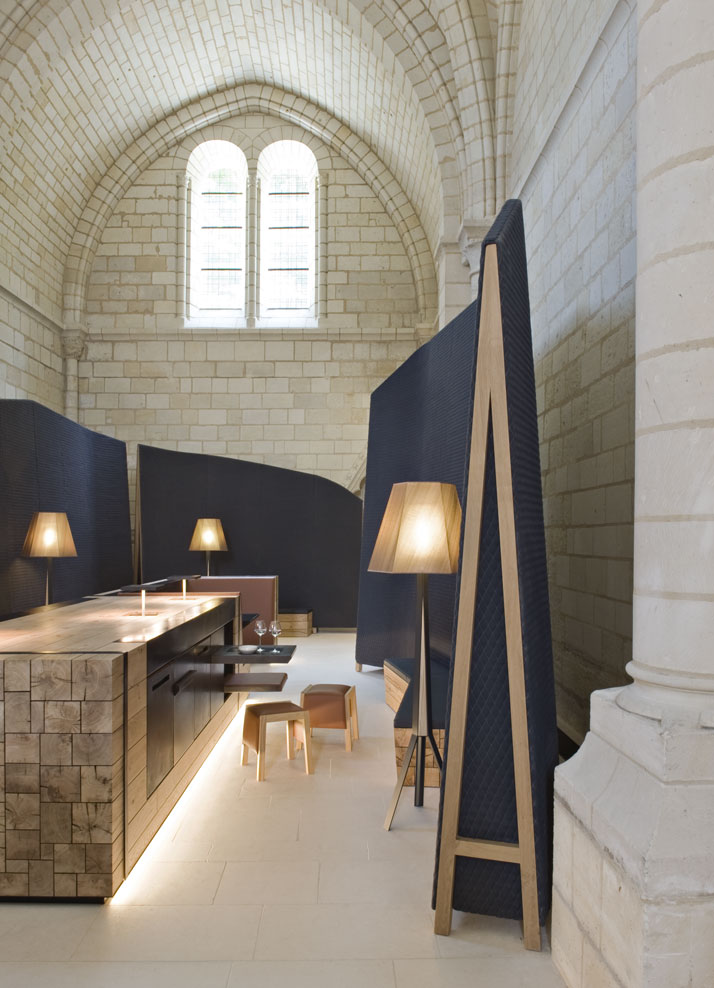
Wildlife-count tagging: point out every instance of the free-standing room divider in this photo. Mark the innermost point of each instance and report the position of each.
(302, 527)
(49, 463)
(495, 826)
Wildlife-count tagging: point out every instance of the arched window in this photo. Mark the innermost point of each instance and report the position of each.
(287, 171)
(218, 172)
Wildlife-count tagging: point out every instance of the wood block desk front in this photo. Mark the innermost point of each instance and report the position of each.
(74, 810)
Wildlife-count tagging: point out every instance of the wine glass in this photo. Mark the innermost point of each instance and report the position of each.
(275, 630)
(260, 630)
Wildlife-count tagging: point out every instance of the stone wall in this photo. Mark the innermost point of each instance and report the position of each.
(30, 355)
(293, 397)
(580, 231)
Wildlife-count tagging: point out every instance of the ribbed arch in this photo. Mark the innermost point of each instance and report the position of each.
(190, 120)
(137, 62)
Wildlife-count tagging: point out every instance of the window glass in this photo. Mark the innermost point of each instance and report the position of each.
(218, 228)
(287, 171)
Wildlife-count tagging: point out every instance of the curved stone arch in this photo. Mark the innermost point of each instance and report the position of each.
(60, 27)
(224, 132)
(472, 56)
(214, 109)
(423, 71)
(509, 26)
(455, 23)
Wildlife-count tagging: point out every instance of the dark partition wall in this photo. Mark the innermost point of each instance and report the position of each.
(49, 463)
(418, 430)
(302, 527)
(420, 426)
(488, 800)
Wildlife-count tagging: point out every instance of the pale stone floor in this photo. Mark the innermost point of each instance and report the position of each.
(290, 881)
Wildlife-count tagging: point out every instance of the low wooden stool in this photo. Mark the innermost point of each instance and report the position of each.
(334, 706)
(297, 728)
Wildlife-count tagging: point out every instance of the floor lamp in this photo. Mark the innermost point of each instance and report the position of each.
(419, 534)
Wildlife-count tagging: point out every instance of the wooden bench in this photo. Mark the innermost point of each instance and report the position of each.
(398, 696)
(296, 622)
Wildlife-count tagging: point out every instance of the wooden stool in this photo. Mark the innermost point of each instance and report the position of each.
(332, 705)
(297, 728)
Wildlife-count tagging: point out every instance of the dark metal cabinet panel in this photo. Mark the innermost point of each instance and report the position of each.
(217, 673)
(202, 686)
(184, 702)
(160, 727)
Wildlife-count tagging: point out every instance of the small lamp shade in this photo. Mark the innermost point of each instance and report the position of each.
(49, 535)
(419, 531)
(208, 536)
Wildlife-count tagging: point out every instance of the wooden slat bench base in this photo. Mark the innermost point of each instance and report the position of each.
(296, 623)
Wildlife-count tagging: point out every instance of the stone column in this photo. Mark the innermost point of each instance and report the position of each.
(453, 281)
(321, 246)
(634, 845)
(470, 240)
(252, 259)
(73, 344)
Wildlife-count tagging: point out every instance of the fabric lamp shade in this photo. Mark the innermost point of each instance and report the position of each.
(208, 536)
(420, 530)
(49, 535)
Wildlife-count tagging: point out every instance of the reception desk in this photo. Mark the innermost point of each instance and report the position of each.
(93, 752)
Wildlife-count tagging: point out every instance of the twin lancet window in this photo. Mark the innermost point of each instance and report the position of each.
(251, 252)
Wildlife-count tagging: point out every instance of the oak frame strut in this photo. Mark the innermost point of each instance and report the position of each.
(490, 404)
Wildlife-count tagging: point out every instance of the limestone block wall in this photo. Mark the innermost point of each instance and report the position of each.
(293, 397)
(30, 355)
(580, 226)
(289, 402)
(556, 42)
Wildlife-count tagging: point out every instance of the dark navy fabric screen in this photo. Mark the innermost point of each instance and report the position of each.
(418, 430)
(49, 463)
(302, 527)
(488, 803)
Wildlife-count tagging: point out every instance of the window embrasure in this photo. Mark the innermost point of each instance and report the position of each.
(252, 241)
(218, 229)
(287, 171)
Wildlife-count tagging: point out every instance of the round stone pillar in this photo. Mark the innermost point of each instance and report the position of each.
(633, 884)
(673, 645)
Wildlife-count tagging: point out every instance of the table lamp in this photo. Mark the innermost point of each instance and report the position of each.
(208, 537)
(419, 534)
(49, 535)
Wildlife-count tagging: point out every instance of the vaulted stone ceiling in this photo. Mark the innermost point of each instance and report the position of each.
(83, 82)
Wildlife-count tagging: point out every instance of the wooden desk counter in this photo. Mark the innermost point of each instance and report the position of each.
(75, 813)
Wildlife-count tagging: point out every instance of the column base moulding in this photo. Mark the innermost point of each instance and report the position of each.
(633, 879)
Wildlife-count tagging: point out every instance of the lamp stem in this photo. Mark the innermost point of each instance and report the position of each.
(208, 562)
(421, 706)
(48, 581)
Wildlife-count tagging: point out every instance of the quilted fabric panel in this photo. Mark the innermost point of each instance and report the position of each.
(49, 463)
(488, 808)
(418, 430)
(301, 526)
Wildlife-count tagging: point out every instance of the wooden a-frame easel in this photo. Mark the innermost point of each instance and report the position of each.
(489, 396)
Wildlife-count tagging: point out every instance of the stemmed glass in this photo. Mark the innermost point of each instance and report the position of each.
(275, 630)
(260, 630)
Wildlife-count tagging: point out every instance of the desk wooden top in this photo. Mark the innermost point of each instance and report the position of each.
(100, 624)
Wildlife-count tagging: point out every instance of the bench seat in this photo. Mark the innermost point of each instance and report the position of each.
(398, 695)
